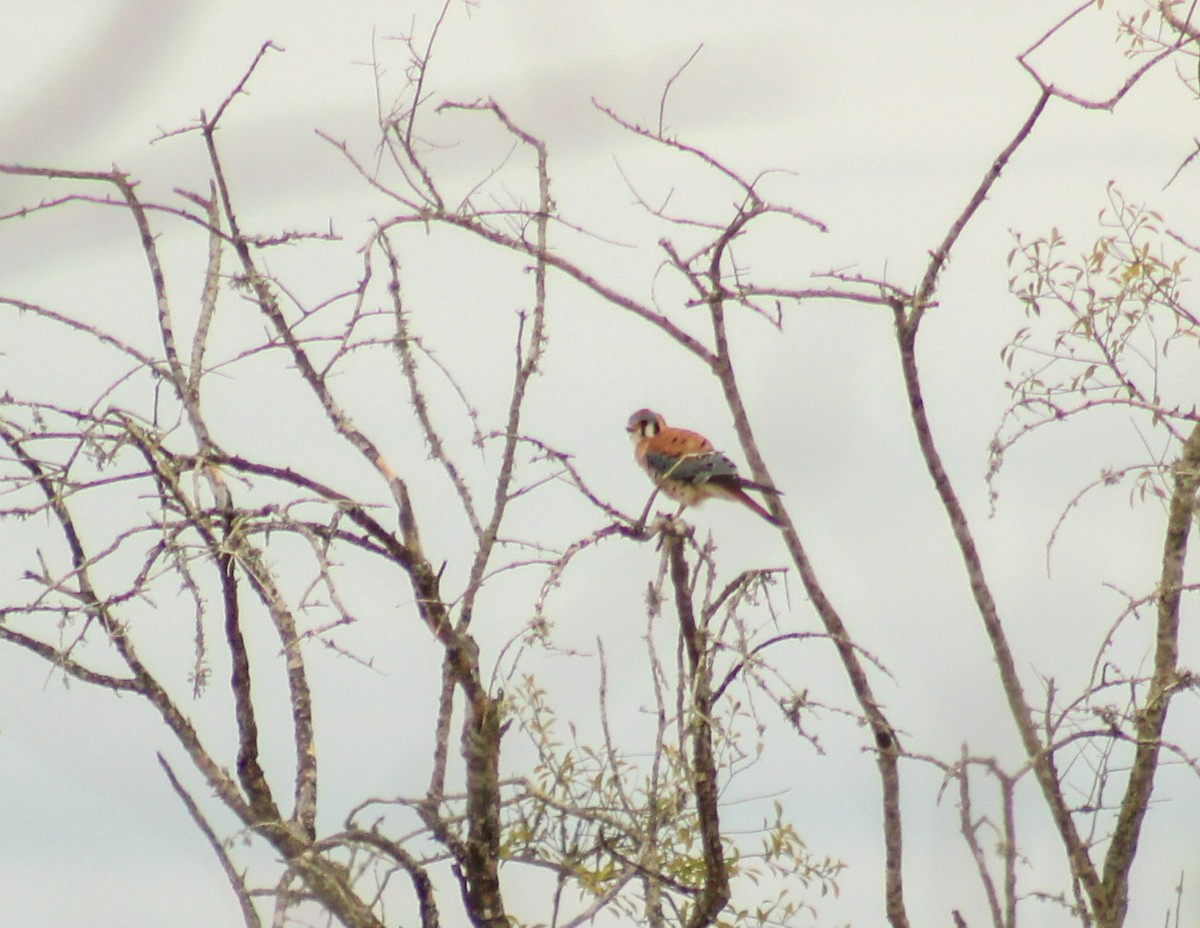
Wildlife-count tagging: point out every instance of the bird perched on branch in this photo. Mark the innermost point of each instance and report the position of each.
(686, 467)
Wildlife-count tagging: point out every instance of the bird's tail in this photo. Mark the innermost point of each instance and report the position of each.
(746, 500)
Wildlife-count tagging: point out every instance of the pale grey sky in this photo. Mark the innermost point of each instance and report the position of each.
(885, 115)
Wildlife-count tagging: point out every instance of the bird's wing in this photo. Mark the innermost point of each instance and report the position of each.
(691, 468)
(761, 487)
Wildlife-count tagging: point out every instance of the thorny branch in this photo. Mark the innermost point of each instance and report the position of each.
(715, 891)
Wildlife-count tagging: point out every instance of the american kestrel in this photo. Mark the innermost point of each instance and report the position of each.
(686, 466)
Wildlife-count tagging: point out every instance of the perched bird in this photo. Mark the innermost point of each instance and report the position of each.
(686, 466)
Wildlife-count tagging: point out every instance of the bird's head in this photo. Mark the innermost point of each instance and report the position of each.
(643, 424)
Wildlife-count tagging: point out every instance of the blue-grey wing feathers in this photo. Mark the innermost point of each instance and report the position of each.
(702, 468)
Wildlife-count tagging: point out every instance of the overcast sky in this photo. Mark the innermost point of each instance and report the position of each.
(885, 117)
